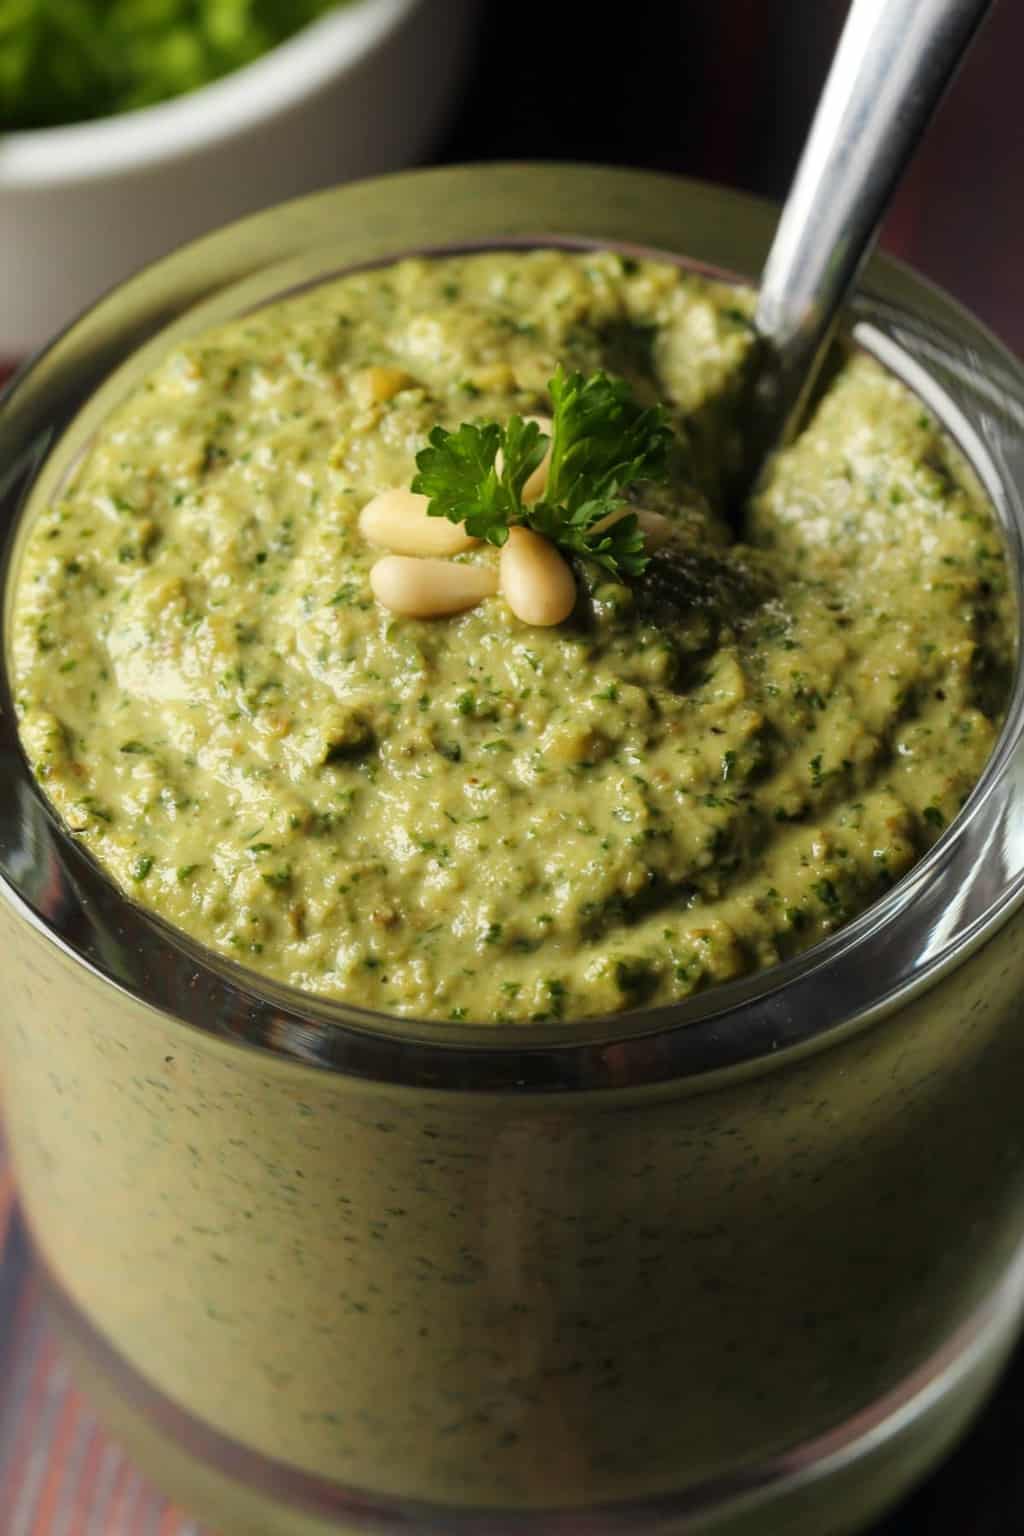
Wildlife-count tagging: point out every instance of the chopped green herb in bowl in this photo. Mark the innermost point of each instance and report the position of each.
(66, 61)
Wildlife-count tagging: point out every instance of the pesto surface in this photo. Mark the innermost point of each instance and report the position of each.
(698, 774)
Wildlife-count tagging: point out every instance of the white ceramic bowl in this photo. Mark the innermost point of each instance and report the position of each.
(361, 91)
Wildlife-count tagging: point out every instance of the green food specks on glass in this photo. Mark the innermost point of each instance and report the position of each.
(714, 763)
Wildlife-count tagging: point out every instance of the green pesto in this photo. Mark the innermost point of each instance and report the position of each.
(700, 773)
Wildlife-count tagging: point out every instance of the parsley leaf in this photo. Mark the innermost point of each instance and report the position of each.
(601, 441)
(618, 548)
(457, 471)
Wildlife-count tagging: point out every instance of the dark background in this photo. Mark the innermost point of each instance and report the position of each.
(723, 90)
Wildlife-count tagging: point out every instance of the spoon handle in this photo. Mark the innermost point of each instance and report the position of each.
(894, 61)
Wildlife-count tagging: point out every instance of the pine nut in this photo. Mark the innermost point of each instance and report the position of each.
(398, 520)
(378, 384)
(430, 589)
(536, 582)
(609, 522)
(536, 483)
(656, 529)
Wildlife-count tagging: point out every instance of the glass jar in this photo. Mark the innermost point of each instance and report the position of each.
(721, 1266)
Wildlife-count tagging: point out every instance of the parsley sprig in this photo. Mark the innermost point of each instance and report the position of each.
(602, 441)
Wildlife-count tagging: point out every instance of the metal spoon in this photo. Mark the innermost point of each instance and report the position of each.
(893, 63)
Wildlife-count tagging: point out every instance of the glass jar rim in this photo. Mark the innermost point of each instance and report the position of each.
(949, 903)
